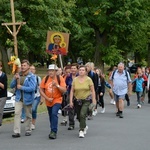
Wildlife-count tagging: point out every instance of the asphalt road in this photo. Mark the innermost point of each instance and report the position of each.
(106, 132)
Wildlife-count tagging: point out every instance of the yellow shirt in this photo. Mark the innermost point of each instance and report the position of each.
(82, 90)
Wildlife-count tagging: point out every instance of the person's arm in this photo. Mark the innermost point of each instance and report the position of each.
(148, 82)
(3, 84)
(44, 95)
(130, 88)
(62, 86)
(129, 84)
(93, 94)
(71, 97)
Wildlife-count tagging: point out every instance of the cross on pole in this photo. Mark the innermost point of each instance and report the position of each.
(14, 24)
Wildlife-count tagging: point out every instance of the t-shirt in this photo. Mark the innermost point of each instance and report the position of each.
(82, 90)
(52, 91)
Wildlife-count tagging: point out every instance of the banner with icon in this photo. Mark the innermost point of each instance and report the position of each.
(57, 43)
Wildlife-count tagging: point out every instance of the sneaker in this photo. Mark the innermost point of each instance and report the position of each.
(32, 126)
(63, 123)
(81, 134)
(121, 115)
(94, 112)
(71, 128)
(139, 106)
(103, 110)
(85, 129)
(28, 134)
(90, 117)
(16, 135)
(112, 102)
(22, 120)
(59, 111)
(52, 135)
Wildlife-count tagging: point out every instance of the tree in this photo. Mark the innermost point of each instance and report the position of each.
(40, 16)
(114, 27)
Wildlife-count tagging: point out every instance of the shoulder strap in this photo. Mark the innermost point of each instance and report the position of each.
(113, 73)
(37, 79)
(46, 79)
(58, 79)
(127, 75)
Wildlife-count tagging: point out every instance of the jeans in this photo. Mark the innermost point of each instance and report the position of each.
(34, 107)
(82, 112)
(23, 114)
(101, 100)
(139, 94)
(53, 116)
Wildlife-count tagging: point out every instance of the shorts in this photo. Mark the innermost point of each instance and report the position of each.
(117, 97)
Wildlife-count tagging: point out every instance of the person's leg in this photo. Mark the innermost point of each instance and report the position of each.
(121, 105)
(143, 95)
(2, 104)
(18, 110)
(102, 102)
(148, 96)
(64, 112)
(138, 97)
(111, 96)
(127, 99)
(83, 114)
(54, 117)
(116, 98)
(34, 109)
(23, 115)
(78, 109)
(49, 109)
(71, 114)
(28, 111)
(53, 113)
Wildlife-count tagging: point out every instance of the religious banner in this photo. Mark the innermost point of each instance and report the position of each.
(57, 43)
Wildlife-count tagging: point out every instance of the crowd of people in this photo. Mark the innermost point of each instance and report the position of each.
(76, 91)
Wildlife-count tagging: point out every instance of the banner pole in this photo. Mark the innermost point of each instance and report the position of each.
(60, 59)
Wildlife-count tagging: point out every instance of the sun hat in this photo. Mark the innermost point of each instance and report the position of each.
(52, 67)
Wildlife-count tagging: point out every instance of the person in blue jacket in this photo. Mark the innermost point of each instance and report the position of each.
(25, 84)
(138, 87)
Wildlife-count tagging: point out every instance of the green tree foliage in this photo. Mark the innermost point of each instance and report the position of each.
(113, 28)
(100, 30)
(40, 16)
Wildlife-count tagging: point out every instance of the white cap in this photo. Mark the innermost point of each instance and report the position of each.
(52, 67)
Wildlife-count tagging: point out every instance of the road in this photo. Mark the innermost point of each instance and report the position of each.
(106, 132)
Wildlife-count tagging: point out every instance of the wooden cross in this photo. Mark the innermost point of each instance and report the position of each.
(14, 24)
